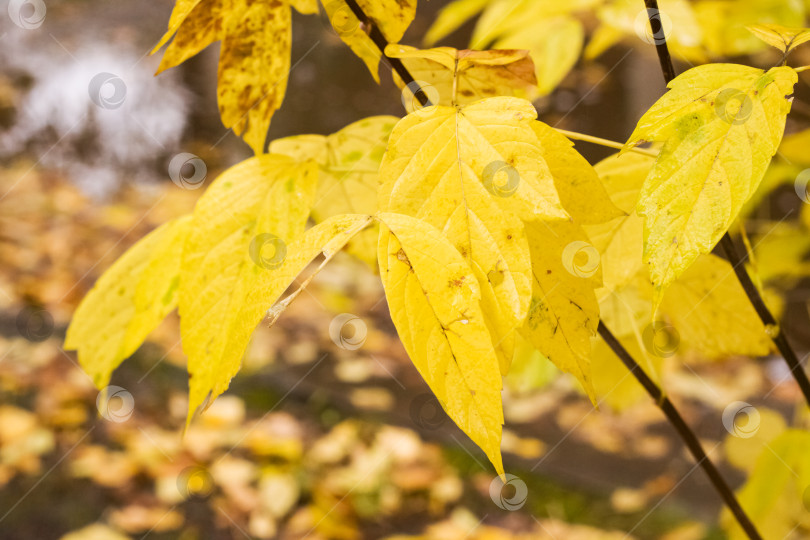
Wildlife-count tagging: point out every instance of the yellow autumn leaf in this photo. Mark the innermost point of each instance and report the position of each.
(580, 189)
(349, 163)
(723, 22)
(451, 17)
(504, 17)
(720, 124)
(781, 37)
(475, 173)
(711, 313)
(254, 60)
(434, 300)
(305, 7)
(620, 241)
(449, 76)
(614, 385)
(128, 301)
(564, 313)
(675, 22)
(240, 231)
(350, 31)
(554, 43)
(391, 17)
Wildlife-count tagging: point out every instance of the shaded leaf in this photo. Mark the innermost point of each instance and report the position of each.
(349, 163)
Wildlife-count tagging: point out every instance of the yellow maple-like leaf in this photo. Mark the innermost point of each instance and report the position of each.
(580, 189)
(391, 17)
(434, 300)
(781, 37)
(128, 301)
(349, 163)
(475, 173)
(620, 242)
(254, 60)
(720, 125)
(564, 313)
(449, 76)
(240, 232)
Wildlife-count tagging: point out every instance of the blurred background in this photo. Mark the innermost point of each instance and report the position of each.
(330, 434)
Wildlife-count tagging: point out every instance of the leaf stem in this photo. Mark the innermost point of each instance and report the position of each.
(684, 431)
(605, 142)
(732, 256)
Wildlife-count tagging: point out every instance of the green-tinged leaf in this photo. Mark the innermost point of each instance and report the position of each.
(564, 313)
(451, 17)
(580, 189)
(448, 76)
(720, 125)
(530, 370)
(254, 60)
(775, 494)
(474, 173)
(724, 22)
(781, 37)
(742, 452)
(434, 299)
(349, 163)
(128, 301)
(620, 241)
(240, 232)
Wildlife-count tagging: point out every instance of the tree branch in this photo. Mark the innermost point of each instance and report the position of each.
(686, 434)
(727, 245)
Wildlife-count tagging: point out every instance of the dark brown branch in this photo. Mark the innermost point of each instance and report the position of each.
(726, 243)
(685, 433)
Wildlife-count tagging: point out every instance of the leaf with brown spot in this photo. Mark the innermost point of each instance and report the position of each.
(463, 76)
(254, 58)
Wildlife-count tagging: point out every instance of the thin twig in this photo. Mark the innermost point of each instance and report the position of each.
(686, 434)
(727, 245)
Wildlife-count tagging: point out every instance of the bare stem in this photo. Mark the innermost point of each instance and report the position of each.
(686, 434)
